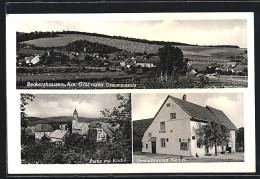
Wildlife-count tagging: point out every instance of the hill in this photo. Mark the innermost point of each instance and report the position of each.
(91, 43)
(195, 52)
(140, 126)
(32, 121)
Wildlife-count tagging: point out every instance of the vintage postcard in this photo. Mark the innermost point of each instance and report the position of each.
(151, 53)
(130, 93)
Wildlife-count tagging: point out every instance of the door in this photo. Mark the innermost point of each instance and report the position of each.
(228, 148)
(206, 149)
(154, 147)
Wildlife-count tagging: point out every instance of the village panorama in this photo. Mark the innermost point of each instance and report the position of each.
(72, 60)
(74, 139)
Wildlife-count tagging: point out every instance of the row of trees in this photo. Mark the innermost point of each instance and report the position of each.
(90, 47)
(21, 37)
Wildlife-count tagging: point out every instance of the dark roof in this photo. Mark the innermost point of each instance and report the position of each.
(239, 68)
(140, 126)
(215, 65)
(222, 118)
(147, 60)
(204, 113)
(194, 110)
(43, 128)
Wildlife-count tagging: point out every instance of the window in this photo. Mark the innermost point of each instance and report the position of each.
(167, 139)
(199, 128)
(173, 116)
(149, 134)
(199, 144)
(163, 144)
(184, 145)
(162, 125)
(193, 137)
(146, 146)
(179, 140)
(168, 105)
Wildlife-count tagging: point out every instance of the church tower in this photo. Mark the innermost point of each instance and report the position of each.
(75, 116)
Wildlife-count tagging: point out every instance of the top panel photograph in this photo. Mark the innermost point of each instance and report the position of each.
(131, 51)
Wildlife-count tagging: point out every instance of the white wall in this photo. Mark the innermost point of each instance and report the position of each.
(39, 135)
(194, 148)
(176, 129)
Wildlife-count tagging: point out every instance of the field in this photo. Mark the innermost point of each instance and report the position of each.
(196, 53)
(107, 79)
(78, 72)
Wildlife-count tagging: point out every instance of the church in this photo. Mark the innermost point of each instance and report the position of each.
(105, 131)
(175, 129)
(79, 127)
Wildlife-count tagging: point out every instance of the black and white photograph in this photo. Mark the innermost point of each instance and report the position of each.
(158, 53)
(76, 129)
(125, 93)
(188, 128)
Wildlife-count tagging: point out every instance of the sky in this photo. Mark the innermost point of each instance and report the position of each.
(147, 105)
(201, 32)
(51, 105)
(143, 105)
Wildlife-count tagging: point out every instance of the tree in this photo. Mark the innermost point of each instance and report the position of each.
(171, 60)
(121, 142)
(23, 102)
(214, 134)
(240, 139)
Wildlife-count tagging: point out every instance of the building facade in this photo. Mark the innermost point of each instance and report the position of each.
(175, 129)
(79, 127)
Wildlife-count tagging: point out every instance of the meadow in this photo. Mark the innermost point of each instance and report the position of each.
(196, 53)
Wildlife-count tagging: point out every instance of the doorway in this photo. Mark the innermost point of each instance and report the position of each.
(154, 147)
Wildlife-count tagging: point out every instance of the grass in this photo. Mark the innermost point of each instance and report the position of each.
(143, 82)
(199, 51)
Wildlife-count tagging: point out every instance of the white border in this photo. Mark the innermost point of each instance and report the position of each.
(13, 102)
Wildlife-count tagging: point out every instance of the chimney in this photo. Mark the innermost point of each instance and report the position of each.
(184, 97)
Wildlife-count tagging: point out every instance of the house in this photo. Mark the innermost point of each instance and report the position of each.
(105, 131)
(59, 136)
(238, 68)
(79, 127)
(234, 63)
(149, 63)
(213, 67)
(95, 55)
(175, 129)
(36, 60)
(21, 62)
(28, 59)
(41, 130)
(192, 73)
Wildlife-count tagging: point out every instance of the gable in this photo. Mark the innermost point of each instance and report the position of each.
(164, 112)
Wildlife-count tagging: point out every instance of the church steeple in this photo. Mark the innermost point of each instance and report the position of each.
(75, 115)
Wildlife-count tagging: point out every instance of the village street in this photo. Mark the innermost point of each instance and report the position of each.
(163, 158)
